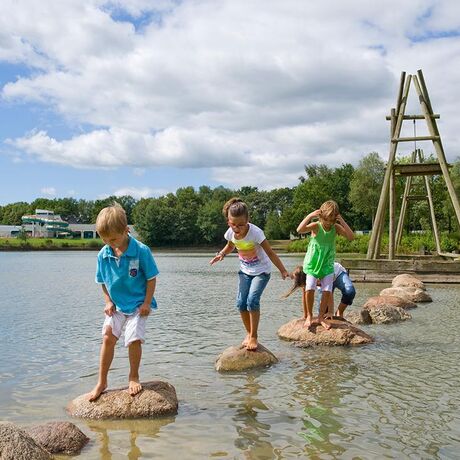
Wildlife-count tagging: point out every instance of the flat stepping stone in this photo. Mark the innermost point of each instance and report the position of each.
(16, 444)
(59, 437)
(238, 358)
(406, 280)
(157, 399)
(388, 301)
(341, 333)
(412, 294)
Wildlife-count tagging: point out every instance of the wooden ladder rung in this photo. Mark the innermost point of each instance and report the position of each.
(415, 117)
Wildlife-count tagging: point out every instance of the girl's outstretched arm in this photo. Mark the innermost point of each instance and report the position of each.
(275, 259)
(228, 248)
(343, 229)
(305, 226)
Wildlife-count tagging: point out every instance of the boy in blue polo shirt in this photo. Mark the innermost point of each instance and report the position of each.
(127, 272)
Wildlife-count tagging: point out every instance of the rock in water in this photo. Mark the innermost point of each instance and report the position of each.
(412, 294)
(59, 437)
(16, 444)
(341, 333)
(358, 317)
(387, 314)
(380, 301)
(156, 399)
(406, 280)
(240, 359)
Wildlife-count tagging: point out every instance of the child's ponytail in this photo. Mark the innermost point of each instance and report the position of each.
(300, 280)
(236, 208)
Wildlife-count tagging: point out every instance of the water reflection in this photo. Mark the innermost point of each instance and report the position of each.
(253, 434)
(113, 433)
(322, 385)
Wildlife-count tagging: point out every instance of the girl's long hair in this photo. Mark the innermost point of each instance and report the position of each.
(300, 280)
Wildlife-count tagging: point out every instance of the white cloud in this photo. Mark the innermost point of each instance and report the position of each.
(253, 90)
(137, 192)
(49, 191)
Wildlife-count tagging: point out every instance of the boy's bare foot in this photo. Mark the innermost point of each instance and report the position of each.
(245, 342)
(134, 387)
(325, 324)
(96, 392)
(252, 344)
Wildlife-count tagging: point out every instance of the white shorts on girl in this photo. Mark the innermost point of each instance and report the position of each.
(326, 283)
(135, 326)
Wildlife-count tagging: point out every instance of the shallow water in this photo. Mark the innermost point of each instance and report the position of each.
(396, 398)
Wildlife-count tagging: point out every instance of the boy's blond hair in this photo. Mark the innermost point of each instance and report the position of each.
(329, 211)
(111, 220)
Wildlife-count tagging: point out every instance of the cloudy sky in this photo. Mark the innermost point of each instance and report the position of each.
(141, 97)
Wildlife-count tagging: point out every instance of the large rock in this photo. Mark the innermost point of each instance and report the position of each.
(388, 301)
(341, 333)
(156, 399)
(386, 314)
(239, 359)
(16, 444)
(59, 437)
(406, 280)
(412, 294)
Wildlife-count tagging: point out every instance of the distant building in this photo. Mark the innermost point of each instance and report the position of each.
(46, 224)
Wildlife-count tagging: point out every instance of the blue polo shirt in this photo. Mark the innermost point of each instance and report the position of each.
(126, 277)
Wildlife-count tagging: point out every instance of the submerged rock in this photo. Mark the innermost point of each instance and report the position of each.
(59, 437)
(341, 333)
(156, 399)
(16, 444)
(388, 301)
(239, 359)
(412, 294)
(406, 280)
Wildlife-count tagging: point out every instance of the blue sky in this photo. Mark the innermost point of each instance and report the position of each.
(142, 97)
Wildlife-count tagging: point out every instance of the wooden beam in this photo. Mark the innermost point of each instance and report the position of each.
(433, 128)
(416, 197)
(416, 117)
(418, 169)
(417, 138)
(374, 242)
(392, 202)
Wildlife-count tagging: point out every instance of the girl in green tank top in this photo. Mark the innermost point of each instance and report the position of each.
(319, 259)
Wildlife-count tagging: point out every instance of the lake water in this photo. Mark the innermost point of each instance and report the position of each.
(396, 398)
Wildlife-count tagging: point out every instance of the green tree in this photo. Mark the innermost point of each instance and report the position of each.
(366, 185)
(13, 212)
(211, 222)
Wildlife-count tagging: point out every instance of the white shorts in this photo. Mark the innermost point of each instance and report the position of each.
(326, 283)
(135, 326)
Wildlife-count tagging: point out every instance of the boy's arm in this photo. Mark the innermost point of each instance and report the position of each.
(109, 305)
(144, 309)
(274, 258)
(228, 248)
(305, 226)
(343, 229)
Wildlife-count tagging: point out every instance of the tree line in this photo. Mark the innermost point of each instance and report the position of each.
(191, 217)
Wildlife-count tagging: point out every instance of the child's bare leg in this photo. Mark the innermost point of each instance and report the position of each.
(135, 354)
(310, 298)
(247, 325)
(326, 299)
(105, 360)
(254, 317)
(341, 309)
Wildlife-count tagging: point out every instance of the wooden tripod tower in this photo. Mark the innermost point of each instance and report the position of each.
(416, 168)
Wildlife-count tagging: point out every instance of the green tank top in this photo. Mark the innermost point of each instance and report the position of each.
(320, 256)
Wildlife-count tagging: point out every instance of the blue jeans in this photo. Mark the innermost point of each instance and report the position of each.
(250, 288)
(343, 282)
